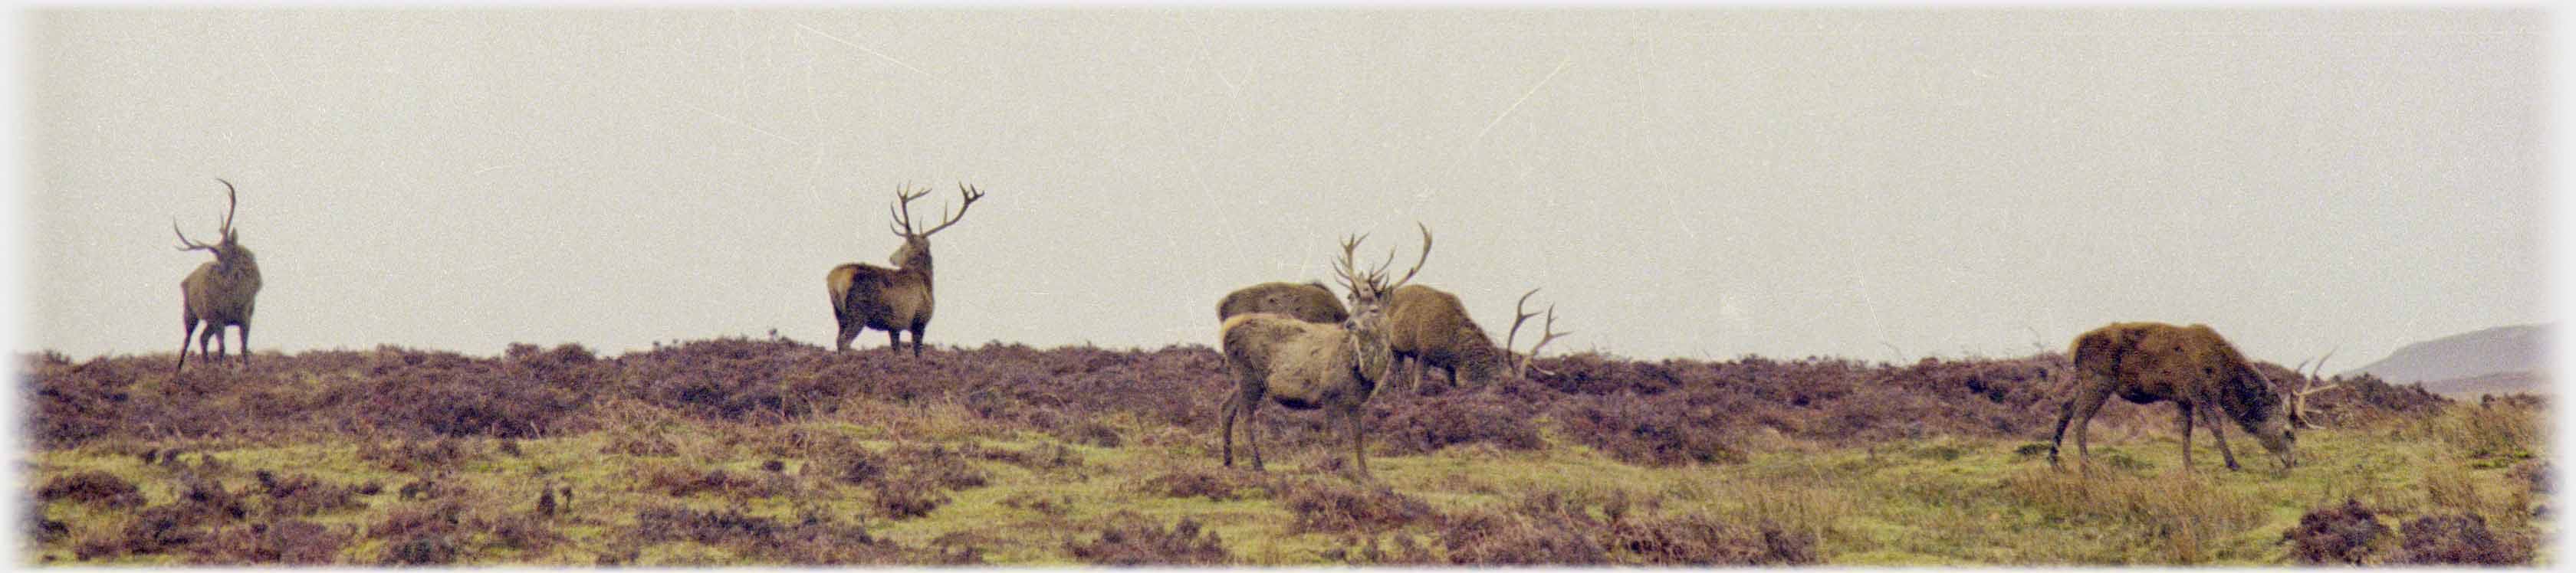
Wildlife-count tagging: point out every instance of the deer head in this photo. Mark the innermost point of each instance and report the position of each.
(227, 247)
(1369, 290)
(916, 244)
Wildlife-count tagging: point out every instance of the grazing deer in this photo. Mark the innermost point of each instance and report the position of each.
(2144, 362)
(1305, 366)
(1310, 302)
(219, 293)
(894, 300)
(1428, 327)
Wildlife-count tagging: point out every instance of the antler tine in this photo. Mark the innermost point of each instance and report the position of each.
(2313, 378)
(231, 200)
(970, 193)
(1417, 263)
(1345, 268)
(184, 243)
(1549, 330)
(902, 207)
(1519, 315)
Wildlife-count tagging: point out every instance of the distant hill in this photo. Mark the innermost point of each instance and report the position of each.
(2495, 360)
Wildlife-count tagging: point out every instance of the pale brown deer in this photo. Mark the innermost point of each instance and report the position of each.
(896, 299)
(1306, 366)
(220, 293)
(1310, 302)
(1428, 327)
(2145, 362)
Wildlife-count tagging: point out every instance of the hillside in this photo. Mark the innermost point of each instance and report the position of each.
(739, 451)
(2505, 349)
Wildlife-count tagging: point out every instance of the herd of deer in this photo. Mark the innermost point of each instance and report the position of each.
(1298, 345)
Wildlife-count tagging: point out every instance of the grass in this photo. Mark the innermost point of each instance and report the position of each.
(1935, 501)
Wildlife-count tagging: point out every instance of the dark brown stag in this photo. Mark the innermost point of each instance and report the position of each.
(1428, 327)
(220, 293)
(899, 299)
(2145, 362)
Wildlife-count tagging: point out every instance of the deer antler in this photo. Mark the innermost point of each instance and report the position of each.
(970, 193)
(1417, 263)
(231, 201)
(1549, 329)
(184, 243)
(902, 209)
(1346, 269)
(2308, 386)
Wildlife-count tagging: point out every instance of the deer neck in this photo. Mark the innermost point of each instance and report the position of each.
(1371, 359)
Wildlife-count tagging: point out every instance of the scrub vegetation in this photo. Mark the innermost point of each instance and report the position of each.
(740, 451)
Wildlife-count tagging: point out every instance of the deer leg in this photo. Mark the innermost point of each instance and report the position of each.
(188, 331)
(1252, 430)
(894, 340)
(2218, 429)
(1359, 444)
(245, 342)
(1418, 367)
(1225, 425)
(2080, 410)
(841, 341)
(916, 339)
(2185, 407)
(205, 342)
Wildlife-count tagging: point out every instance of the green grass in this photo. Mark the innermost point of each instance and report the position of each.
(1941, 501)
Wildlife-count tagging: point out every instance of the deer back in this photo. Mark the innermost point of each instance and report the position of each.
(1310, 302)
(1302, 364)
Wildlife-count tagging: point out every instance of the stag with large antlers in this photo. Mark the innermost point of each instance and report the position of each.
(2146, 362)
(899, 299)
(219, 293)
(1306, 366)
(1428, 328)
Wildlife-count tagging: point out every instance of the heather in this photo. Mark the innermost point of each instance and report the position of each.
(741, 451)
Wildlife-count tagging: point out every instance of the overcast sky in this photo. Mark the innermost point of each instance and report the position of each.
(1878, 184)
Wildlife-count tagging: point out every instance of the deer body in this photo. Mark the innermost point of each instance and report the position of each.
(1429, 327)
(1310, 302)
(1303, 366)
(220, 293)
(895, 300)
(2203, 375)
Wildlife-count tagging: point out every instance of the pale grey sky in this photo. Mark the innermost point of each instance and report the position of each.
(1869, 183)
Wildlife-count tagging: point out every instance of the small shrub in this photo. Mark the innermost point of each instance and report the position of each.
(1517, 538)
(1199, 481)
(907, 498)
(1336, 505)
(1695, 539)
(300, 495)
(2347, 534)
(91, 487)
(2457, 539)
(1130, 540)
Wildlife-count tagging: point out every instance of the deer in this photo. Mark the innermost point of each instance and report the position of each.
(1307, 366)
(1310, 302)
(1428, 327)
(896, 299)
(220, 293)
(2204, 376)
